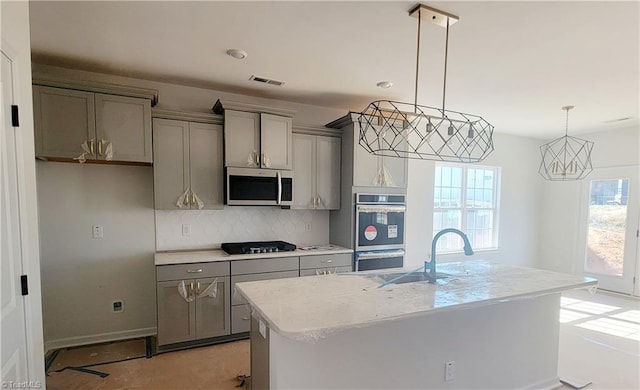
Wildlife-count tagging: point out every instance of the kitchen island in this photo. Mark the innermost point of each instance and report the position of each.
(486, 325)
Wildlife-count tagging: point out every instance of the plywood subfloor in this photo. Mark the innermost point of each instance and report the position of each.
(96, 354)
(213, 367)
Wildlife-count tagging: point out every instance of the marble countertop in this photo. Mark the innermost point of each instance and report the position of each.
(204, 256)
(309, 308)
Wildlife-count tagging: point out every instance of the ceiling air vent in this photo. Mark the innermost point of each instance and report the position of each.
(267, 81)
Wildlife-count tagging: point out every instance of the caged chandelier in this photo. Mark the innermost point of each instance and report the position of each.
(566, 158)
(406, 130)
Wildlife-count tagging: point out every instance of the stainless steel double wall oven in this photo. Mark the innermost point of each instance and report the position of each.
(379, 231)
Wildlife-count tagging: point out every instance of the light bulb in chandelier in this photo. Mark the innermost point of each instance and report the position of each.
(470, 134)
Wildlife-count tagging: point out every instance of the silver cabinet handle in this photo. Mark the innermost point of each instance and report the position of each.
(326, 261)
(245, 318)
(193, 199)
(194, 271)
(192, 290)
(197, 288)
(92, 146)
(256, 157)
(279, 187)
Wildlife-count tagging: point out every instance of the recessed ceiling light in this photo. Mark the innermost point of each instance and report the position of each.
(237, 54)
(385, 84)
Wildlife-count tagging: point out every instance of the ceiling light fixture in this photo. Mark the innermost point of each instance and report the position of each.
(384, 84)
(409, 130)
(566, 158)
(237, 54)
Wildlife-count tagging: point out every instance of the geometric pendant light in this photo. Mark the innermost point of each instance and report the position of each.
(566, 158)
(409, 130)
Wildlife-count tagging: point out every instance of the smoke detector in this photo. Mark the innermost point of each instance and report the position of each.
(237, 54)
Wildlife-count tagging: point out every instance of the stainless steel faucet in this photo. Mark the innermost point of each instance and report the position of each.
(431, 265)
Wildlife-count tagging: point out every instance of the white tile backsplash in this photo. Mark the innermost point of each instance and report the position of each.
(210, 228)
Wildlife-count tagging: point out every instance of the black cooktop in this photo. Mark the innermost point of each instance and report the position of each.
(237, 248)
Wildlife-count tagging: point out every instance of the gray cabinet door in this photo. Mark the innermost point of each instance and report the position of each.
(171, 165)
(304, 171)
(276, 142)
(241, 139)
(328, 172)
(205, 163)
(240, 318)
(125, 122)
(213, 313)
(176, 317)
(63, 120)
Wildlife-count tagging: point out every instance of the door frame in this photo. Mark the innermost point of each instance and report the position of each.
(628, 282)
(27, 194)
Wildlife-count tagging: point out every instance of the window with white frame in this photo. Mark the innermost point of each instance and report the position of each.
(466, 197)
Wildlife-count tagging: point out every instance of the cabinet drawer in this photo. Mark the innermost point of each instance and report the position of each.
(325, 271)
(240, 318)
(236, 298)
(328, 261)
(192, 270)
(244, 267)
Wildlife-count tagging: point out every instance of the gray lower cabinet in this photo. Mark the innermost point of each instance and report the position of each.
(202, 311)
(326, 264)
(251, 270)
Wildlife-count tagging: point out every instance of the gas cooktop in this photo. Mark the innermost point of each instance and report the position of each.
(237, 248)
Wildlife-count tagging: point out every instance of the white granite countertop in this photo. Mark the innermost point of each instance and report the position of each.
(204, 256)
(309, 308)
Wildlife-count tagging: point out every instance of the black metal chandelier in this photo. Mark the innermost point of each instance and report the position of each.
(566, 158)
(409, 130)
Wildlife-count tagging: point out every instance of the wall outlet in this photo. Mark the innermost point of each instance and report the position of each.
(186, 230)
(449, 371)
(307, 226)
(117, 306)
(98, 231)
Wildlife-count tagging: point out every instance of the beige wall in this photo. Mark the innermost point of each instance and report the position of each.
(519, 205)
(560, 226)
(83, 275)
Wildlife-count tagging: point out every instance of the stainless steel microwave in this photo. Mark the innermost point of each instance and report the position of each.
(258, 187)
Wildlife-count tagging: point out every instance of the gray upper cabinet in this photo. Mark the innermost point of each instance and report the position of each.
(64, 119)
(316, 163)
(188, 161)
(257, 140)
(125, 122)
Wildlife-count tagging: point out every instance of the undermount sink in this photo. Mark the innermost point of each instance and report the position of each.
(400, 278)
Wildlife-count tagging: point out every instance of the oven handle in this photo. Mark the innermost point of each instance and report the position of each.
(380, 209)
(379, 255)
(279, 187)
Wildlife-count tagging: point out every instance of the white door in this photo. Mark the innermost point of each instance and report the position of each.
(13, 361)
(610, 214)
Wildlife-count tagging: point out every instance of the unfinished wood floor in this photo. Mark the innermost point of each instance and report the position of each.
(213, 367)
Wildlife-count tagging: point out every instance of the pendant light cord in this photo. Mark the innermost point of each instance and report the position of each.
(415, 96)
(446, 54)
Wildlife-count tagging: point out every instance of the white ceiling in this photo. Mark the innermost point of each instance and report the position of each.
(514, 63)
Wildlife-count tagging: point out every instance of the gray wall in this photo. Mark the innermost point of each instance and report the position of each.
(81, 276)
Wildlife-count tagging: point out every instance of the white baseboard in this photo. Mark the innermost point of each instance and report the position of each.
(98, 338)
(547, 384)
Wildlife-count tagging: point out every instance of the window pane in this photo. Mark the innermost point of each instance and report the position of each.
(607, 226)
(446, 176)
(456, 195)
(456, 177)
(479, 178)
(488, 198)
